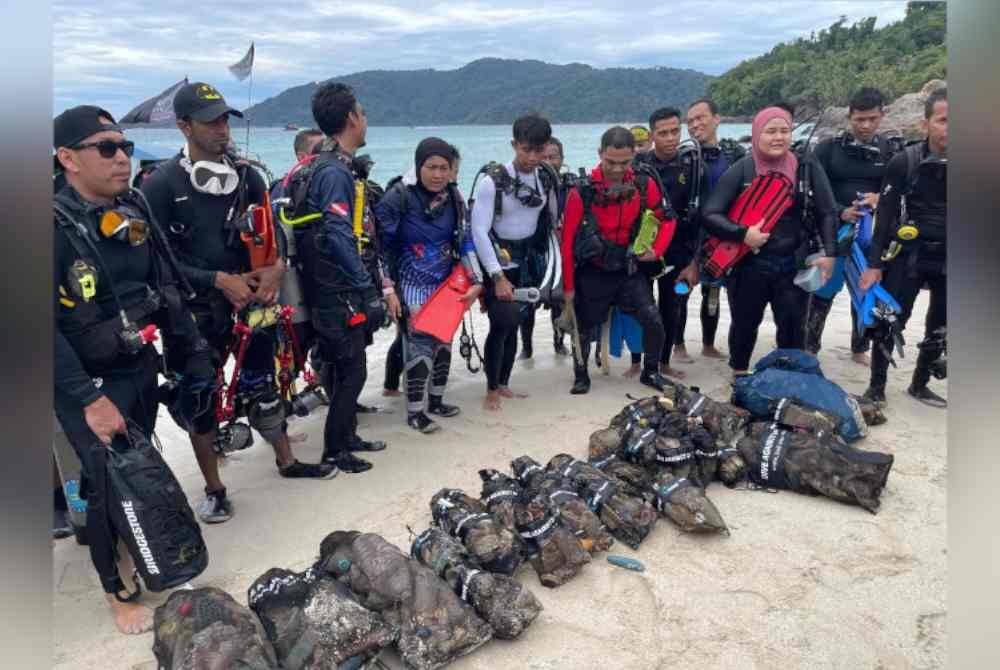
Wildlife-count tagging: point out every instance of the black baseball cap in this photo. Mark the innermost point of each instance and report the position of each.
(78, 123)
(201, 102)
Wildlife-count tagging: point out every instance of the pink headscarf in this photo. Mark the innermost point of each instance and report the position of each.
(786, 164)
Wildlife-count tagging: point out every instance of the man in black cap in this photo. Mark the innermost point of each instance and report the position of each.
(200, 197)
(114, 280)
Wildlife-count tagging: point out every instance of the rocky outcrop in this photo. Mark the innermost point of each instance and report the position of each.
(902, 115)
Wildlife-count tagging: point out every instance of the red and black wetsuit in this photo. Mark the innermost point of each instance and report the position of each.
(598, 287)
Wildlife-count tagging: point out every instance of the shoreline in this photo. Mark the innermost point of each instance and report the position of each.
(797, 577)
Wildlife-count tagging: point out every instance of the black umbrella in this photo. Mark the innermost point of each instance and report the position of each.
(158, 109)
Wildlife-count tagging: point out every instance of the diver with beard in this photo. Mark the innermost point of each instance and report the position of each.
(908, 249)
(603, 218)
(513, 208)
(855, 162)
(200, 195)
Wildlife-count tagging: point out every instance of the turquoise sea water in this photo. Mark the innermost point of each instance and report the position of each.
(392, 147)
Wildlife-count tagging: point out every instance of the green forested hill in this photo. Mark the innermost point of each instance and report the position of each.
(493, 90)
(827, 67)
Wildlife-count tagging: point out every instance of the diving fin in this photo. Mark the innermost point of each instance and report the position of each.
(442, 313)
(767, 198)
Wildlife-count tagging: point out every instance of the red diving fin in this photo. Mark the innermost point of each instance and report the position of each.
(442, 313)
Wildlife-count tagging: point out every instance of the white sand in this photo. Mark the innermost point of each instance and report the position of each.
(801, 583)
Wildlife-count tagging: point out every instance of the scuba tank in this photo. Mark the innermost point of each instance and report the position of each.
(291, 292)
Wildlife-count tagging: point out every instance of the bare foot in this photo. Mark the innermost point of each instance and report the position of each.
(507, 393)
(861, 358)
(632, 371)
(492, 402)
(391, 393)
(681, 354)
(671, 372)
(740, 373)
(711, 352)
(131, 618)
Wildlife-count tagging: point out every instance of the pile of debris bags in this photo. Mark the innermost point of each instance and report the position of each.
(787, 427)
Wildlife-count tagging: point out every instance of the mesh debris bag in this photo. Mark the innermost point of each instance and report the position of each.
(435, 625)
(871, 411)
(794, 416)
(574, 514)
(726, 423)
(495, 547)
(555, 552)
(628, 518)
(315, 621)
(636, 481)
(206, 629)
(645, 412)
(685, 503)
(823, 465)
(503, 602)
(605, 442)
(500, 494)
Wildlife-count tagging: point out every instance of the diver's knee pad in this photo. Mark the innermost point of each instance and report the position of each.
(266, 414)
(417, 370)
(442, 366)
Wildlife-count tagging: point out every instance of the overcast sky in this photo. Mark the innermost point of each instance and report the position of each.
(119, 52)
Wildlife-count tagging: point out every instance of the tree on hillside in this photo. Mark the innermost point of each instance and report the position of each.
(831, 64)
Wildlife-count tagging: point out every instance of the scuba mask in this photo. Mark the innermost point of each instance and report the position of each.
(436, 207)
(124, 225)
(214, 178)
(526, 194)
(860, 151)
(604, 197)
(934, 166)
(711, 154)
(210, 177)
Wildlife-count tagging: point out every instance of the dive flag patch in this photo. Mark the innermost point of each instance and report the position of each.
(339, 208)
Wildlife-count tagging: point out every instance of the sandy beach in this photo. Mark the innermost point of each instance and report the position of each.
(801, 582)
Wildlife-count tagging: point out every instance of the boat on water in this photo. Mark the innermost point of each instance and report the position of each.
(291, 126)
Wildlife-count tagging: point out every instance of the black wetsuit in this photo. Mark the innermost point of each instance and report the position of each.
(88, 366)
(766, 277)
(850, 171)
(340, 284)
(920, 263)
(206, 242)
(716, 160)
(677, 176)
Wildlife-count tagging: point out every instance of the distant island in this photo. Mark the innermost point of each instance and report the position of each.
(495, 91)
(811, 74)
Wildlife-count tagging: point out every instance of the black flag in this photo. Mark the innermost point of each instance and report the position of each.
(241, 70)
(157, 109)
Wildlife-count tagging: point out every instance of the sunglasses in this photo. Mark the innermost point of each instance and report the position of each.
(124, 228)
(108, 148)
